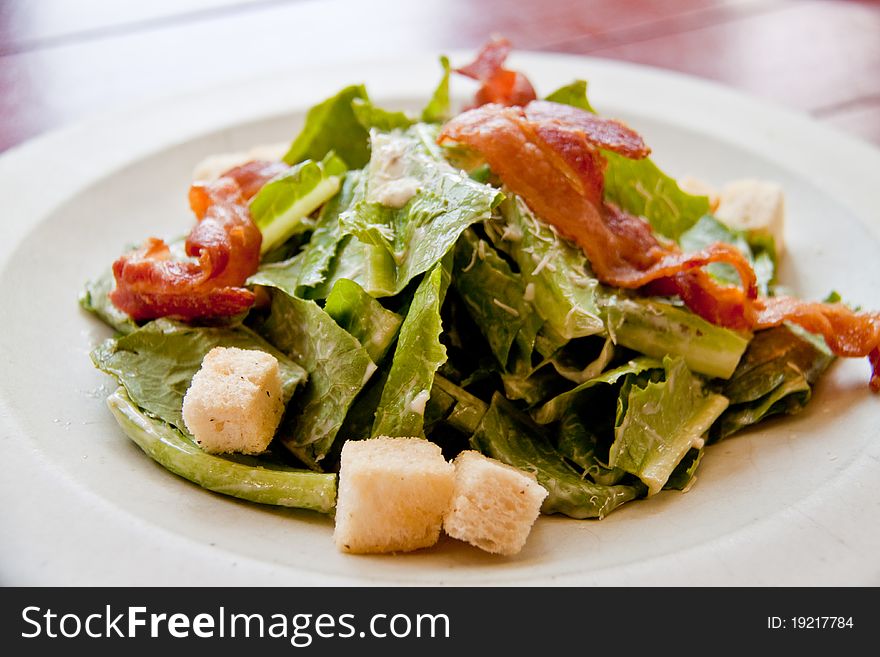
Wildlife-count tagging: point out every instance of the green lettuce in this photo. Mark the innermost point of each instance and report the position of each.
(493, 294)
(708, 230)
(775, 376)
(338, 368)
(639, 186)
(574, 94)
(580, 445)
(657, 328)
(455, 406)
(642, 189)
(94, 299)
(250, 481)
(557, 278)
(418, 355)
(282, 208)
(363, 317)
(438, 109)
(660, 421)
(410, 240)
(370, 116)
(156, 363)
(559, 406)
(505, 435)
(332, 126)
(685, 473)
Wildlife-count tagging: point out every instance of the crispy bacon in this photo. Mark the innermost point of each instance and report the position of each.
(498, 84)
(226, 242)
(549, 155)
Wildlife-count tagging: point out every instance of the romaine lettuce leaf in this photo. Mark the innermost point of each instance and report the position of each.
(338, 368)
(248, 481)
(532, 384)
(493, 294)
(579, 444)
(775, 375)
(574, 94)
(282, 207)
(660, 421)
(457, 408)
(364, 317)
(438, 108)
(411, 239)
(657, 328)
(685, 473)
(156, 363)
(569, 367)
(95, 299)
(556, 274)
(417, 357)
(559, 406)
(507, 436)
(332, 126)
(370, 116)
(639, 186)
(708, 230)
(642, 189)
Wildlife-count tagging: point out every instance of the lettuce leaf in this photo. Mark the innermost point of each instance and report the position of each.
(338, 368)
(156, 363)
(639, 186)
(556, 274)
(579, 445)
(410, 240)
(660, 421)
(493, 294)
(458, 408)
(94, 299)
(370, 116)
(775, 376)
(709, 230)
(506, 435)
(642, 189)
(250, 481)
(559, 406)
(418, 355)
(574, 94)
(363, 317)
(332, 126)
(657, 328)
(282, 207)
(438, 109)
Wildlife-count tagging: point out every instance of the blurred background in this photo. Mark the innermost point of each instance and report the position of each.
(63, 59)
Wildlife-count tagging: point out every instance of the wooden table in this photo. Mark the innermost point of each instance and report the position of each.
(63, 59)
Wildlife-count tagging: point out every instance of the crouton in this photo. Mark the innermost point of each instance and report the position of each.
(754, 206)
(493, 504)
(213, 166)
(392, 495)
(234, 402)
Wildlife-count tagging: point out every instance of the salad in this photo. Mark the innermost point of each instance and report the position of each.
(517, 278)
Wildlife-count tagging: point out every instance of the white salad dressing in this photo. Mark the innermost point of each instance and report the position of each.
(388, 184)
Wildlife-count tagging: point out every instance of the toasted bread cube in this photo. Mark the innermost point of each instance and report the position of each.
(392, 495)
(755, 206)
(494, 505)
(234, 402)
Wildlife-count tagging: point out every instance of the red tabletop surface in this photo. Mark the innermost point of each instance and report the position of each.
(61, 60)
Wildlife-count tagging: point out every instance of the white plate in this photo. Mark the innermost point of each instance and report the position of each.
(794, 502)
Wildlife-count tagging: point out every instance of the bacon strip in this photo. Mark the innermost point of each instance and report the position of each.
(549, 155)
(498, 84)
(226, 242)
